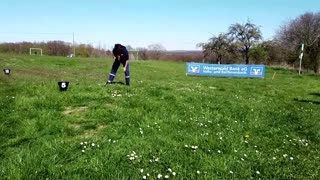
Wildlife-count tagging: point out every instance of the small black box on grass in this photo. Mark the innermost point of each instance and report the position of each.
(6, 71)
(63, 85)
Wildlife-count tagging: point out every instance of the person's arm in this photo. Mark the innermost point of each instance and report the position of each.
(125, 66)
(125, 56)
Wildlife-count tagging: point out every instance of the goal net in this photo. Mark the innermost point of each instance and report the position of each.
(36, 51)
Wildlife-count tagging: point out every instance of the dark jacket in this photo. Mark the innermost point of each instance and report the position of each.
(121, 51)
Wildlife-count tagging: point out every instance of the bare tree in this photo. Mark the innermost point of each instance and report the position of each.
(58, 48)
(155, 51)
(217, 45)
(129, 48)
(244, 36)
(304, 29)
(143, 53)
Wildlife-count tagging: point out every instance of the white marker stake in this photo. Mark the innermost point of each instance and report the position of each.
(300, 57)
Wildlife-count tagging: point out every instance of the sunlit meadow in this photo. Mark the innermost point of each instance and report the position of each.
(166, 125)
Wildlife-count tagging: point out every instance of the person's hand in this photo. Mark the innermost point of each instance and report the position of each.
(118, 57)
(124, 69)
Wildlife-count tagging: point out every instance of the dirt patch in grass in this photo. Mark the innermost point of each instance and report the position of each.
(74, 126)
(74, 110)
(110, 105)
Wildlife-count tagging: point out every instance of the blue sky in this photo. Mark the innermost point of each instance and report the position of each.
(176, 24)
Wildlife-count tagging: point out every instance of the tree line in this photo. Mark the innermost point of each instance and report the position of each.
(242, 43)
(53, 48)
(60, 48)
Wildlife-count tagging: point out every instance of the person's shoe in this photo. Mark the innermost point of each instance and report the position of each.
(108, 82)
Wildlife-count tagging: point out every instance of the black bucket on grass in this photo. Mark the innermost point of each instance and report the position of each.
(63, 85)
(6, 71)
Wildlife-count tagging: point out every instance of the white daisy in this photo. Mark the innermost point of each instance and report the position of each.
(285, 155)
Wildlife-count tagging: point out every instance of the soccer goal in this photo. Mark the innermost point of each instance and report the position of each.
(36, 51)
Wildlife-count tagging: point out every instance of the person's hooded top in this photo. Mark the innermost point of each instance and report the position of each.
(121, 51)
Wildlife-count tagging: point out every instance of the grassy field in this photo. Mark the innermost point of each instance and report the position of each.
(164, 125)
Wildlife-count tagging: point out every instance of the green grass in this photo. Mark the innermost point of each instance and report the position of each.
(243, 128)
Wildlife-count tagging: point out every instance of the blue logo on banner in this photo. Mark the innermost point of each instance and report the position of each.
(228, 70)
(194, 69)
(256, 71)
